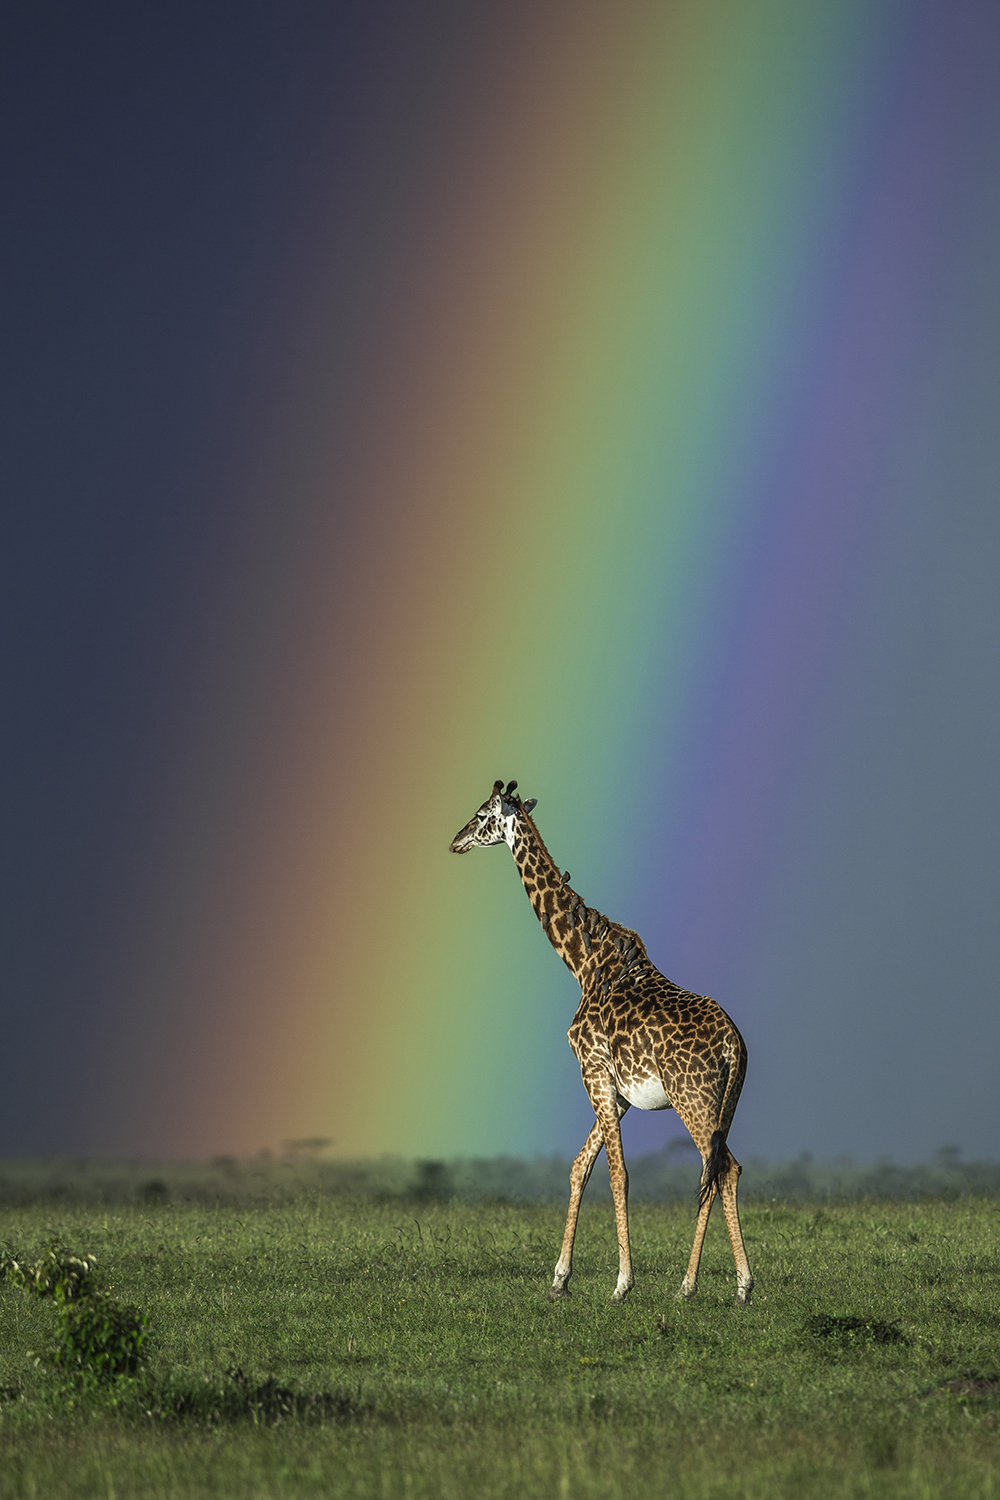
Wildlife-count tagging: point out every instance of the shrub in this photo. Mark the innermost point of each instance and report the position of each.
(95, 1335)
(57, 1273)
(100, 1337)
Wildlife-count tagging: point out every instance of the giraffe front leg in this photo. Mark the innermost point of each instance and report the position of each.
(604, 1097)
(578, 1178)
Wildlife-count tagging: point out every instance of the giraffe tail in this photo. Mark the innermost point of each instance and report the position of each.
(717, 1163)
(715, 1168)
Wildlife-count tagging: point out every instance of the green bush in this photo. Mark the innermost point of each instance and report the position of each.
(100, 1337)
(95, 1335)
(57, 1273)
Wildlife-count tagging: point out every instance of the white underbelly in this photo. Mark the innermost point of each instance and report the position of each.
(644, 1093)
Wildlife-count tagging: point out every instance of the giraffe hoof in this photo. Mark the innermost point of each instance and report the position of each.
(743, 1295)
(557, 1293)
(686, 1292)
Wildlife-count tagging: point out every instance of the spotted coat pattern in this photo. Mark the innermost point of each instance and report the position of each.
(639, 1039)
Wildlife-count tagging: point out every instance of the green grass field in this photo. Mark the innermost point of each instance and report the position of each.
(328, 1347)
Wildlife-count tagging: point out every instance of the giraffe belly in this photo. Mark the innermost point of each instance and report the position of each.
(644, 1093)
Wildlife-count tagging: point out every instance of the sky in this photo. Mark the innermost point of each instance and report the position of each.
(402, 396)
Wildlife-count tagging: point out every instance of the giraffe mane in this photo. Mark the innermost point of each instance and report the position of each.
(615, 928)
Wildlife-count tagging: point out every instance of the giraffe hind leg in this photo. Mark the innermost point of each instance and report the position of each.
(689, 1285)
(727, 1191)
(708, 1146)
(721, 1175)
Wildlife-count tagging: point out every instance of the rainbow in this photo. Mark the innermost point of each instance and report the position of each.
(576, 475)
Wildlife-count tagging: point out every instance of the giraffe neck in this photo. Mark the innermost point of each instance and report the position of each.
(592, 947)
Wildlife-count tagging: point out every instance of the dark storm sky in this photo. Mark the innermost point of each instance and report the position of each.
(155, 160)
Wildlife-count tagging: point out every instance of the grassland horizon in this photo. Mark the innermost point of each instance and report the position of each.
(301, 1167)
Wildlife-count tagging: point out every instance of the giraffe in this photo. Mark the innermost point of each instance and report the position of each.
(638, 1038)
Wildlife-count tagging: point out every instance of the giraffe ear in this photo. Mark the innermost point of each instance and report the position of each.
(531, 804)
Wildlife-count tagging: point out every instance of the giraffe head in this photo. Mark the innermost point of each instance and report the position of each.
(493, 821)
